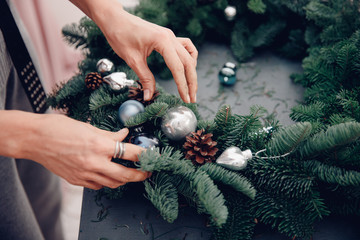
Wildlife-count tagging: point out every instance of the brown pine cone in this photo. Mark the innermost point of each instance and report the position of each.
(200, 148)
(137, 93)
(93, 80)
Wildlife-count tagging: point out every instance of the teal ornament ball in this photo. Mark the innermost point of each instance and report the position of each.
(129, 109)
(227, 74)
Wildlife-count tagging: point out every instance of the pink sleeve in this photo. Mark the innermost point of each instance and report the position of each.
(58, 61)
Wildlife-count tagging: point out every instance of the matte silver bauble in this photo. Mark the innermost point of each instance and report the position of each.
(118, 80)
(104, 65)
(234, 159)
(178, 122)
(129, 109)
(230, 13)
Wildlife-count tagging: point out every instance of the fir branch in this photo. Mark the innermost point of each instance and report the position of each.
(287, 139)
(348, 100)
(335, 119)
(308, 113)
(162, 193)
(223, 117)
(322, 15)
(332, 174)
(257, 6)
(211, 198)
(104, 97)
(240, 45)
(264, 35)
(74, 35)
(235, 180)
(332, 138)
(283, 177)
(208, 125)
(240, 128)
(152, 111)
(184, 188)
(240, 222)
(169, 160)
(349, 156)
(293, 217)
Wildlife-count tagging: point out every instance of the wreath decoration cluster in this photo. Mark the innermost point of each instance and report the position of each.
(318, 171)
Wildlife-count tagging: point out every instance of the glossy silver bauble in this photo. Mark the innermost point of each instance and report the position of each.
(178, 122)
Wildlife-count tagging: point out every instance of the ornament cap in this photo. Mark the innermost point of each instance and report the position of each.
(247, 154)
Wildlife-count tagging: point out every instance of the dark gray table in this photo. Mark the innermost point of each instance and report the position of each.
(134, 218)
(265, 81)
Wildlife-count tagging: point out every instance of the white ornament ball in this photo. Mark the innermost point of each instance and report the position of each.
(178, 122)
(230, 13)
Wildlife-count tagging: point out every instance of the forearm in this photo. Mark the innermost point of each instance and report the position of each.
(17, 132)
(97, 10)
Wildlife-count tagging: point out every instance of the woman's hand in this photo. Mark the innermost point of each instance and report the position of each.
(76, 151)
(133, 39)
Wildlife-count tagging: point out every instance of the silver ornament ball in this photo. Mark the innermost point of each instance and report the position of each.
(129, 109)
(234, 159)
(178, 122)
(118, 80)
(104, 65)
(230, 13)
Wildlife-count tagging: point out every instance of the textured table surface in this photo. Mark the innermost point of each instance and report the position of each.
(264, 81)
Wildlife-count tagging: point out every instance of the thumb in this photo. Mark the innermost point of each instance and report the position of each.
(146, 78)
(120, 135)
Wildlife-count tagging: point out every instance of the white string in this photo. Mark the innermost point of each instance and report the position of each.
(273, 157)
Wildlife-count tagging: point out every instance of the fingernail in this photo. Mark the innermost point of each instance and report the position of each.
(195, 98)
(125, 130)
(187, 98)
(146, 94)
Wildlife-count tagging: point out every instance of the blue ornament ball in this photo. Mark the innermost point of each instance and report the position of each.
(145, 141)
(129, 109)
(227, 75)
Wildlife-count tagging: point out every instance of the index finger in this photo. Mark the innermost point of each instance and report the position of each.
(176, 67)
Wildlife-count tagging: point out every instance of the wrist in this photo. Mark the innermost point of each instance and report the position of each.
(18, 133)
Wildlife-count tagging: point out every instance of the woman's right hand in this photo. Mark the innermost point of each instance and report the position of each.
(76, 151)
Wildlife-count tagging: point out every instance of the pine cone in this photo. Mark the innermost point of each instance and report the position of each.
(200, 148)
(137, 93)
(93, 80)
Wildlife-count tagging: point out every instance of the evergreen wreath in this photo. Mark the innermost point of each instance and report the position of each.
(318, 171)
